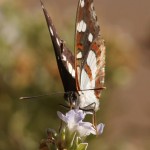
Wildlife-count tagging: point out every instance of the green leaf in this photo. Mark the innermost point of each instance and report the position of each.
(70, 137)
(78, 140)
(63, 134)
(73, 139)
(82, 146)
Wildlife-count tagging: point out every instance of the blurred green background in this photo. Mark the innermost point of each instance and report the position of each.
(28, 67)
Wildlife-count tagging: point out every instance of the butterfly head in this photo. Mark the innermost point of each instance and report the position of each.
(71, 97)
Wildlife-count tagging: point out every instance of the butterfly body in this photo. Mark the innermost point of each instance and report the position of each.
(83, 73)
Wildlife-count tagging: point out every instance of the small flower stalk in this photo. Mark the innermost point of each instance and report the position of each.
(73, 134)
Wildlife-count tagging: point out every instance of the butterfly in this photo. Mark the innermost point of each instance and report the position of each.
(83, 72)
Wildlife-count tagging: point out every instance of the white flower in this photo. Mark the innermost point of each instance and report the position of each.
(74, 120)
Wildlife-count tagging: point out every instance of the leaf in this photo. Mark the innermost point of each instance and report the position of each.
(73, 139)
(78, 140)
(82, 146)
(63, 134)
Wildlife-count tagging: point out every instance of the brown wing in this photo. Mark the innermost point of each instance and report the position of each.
(89, 56)
(64, 57)
(87, 30)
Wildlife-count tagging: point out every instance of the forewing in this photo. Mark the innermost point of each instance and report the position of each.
(89, 56)
(64, 57)
(87, 30)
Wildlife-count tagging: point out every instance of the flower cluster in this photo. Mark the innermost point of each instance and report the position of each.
(72, 135)
(74, 120)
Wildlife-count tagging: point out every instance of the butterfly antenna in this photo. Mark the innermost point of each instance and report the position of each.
(39, 96)
(101, 88)
(44, 95)
(33, 97)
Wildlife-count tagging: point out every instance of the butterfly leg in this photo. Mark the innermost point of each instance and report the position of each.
(94, 118)
(88, 108)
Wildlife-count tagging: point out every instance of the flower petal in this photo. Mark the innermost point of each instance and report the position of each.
(75, 116)
(74, 120)
(100, 128)
(80, 114)
(62, 116)
(85, 129)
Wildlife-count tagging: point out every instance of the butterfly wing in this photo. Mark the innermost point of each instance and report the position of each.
(64, 57)
(89, 55)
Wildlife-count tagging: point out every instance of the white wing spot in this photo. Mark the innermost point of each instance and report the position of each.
(91, 61)
(73, 72)
(84, 27)
(81, 26)
(64, 58)
(51, 30)
(79, 55)
(58, 41)
(90, 37)
(82, 3)
(69, 67)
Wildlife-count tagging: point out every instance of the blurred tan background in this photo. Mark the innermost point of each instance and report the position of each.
(28, 67)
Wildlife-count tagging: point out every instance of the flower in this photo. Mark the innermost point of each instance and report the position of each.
(74, 120)
(100, 128)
